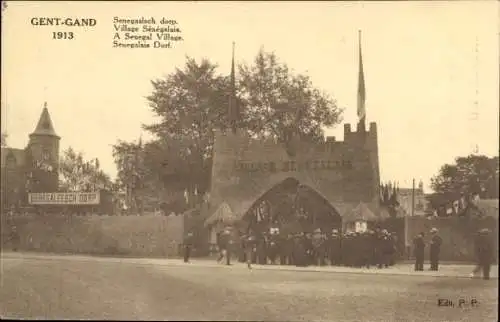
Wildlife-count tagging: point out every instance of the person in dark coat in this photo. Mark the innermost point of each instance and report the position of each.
(250, 249)
(419, 250)
(262, 249)
(483, 246)
(188, 246)
(389, 248)
(309, 247)
(394, 241)
(347, 249)
(225, 245)
(14, 238)
(299, 251)
(220, 246)
(435, 248)
(281, 240)
(369, 239)
(289, 245)
(319, 245)
(381, 248)
(242, 250)
(272, 247)
(334, 248)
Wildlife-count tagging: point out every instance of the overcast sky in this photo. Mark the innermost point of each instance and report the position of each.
(422, 72)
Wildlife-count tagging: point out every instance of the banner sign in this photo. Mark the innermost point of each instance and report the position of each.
(64, 198)
(287, 166)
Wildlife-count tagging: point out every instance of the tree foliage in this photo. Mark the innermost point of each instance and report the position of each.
(192, 103)
(279, 103)
(78, 174)
(474, 174)
(3, 141)
(389, 198)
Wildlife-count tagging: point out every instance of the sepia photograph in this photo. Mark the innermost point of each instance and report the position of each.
(250, 161)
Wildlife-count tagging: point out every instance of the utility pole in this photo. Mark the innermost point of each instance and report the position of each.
(412, 213)
(413, 199)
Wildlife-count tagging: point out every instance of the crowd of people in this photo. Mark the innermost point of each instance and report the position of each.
(355, 249)
(370, 248)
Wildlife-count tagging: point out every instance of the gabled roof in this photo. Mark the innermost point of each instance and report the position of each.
(360, 213)
(17, 154)
(45, 126)
(222, 214)
(488, 207)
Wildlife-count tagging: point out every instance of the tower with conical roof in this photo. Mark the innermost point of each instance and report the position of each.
(43, 149)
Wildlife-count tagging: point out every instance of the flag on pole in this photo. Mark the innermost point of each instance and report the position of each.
(361, 88)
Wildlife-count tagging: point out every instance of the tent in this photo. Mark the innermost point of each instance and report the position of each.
(359, 213)
(223, 214)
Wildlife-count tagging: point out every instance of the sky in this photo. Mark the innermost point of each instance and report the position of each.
(431, 70)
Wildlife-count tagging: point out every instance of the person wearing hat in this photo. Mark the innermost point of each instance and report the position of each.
(225, 243)
(188, 245)
(435, 248)
(299, 252)
(242, 250)
(14, 238)
(250, 248)
(272, 246)
(334, 247)
(483, 245)
(419, 251)
(319, 244)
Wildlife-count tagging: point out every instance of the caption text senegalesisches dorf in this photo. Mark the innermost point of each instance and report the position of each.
(143, 32)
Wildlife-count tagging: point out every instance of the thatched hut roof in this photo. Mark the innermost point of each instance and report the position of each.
(488, 207)
(360, 213)
(222, 214)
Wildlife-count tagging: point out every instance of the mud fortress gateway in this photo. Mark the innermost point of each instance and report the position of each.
(345, 173)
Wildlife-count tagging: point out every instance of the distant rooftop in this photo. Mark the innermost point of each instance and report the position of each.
(45, 126)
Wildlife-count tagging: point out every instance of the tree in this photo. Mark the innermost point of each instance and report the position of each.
(474, 174)
(77, 174)
(3, 141)
(192, 102)
(389, 198)
(129, 159)
(278, 103)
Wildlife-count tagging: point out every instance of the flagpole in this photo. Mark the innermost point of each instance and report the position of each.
(361, 109)
(232, 98)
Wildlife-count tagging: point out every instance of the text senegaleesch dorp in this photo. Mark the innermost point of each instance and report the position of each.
(289, 166)
(64, 198)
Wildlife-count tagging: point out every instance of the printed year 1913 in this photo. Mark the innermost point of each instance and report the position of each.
(63, 35)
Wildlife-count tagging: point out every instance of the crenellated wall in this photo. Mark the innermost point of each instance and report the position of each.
(344, 172)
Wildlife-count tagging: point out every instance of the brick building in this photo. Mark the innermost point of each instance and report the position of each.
(32, 169)
(421, 204)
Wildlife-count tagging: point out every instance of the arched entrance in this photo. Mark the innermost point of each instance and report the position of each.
(292, 207)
